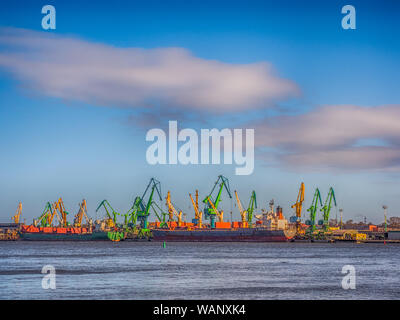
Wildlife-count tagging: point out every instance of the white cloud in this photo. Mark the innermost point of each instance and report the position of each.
(100, 74)
(345, 137)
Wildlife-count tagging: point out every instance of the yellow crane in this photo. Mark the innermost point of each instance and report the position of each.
(243, 213)
(298, 206)
(198, 213)
(17, 215)
(79, 216)
(172, 210)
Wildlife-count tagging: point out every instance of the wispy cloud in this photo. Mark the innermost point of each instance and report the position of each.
(343, 137)
(101, 74)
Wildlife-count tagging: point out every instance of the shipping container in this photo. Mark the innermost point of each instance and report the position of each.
(223, 225)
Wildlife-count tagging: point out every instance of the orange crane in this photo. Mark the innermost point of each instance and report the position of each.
(17, 215)
(198, 214)
(298, 206)
(79, 216)
(172, 210)
(53, 213)
(61, 209)
(243, 213)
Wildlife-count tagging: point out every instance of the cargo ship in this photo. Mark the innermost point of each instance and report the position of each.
(223, 235)
(32, 233)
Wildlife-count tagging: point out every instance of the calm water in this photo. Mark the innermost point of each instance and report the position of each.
(127, 270)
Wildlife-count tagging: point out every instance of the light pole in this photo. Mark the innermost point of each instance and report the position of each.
(385, 212)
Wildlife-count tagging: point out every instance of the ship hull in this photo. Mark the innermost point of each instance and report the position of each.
(38, 236)
(223, 235)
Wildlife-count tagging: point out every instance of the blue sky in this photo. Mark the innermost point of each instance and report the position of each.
(77, 148)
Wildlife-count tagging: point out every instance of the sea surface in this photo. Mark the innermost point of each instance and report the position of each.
(146, 270)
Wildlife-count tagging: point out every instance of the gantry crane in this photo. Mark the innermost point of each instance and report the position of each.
(172, 211)
(198, 214)
(17, 215)
(111, 217)
(298, 206)
(313, 209)
(326, 209)
(211, 206)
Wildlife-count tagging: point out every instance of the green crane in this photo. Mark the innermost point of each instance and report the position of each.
(111, 213)
(326, 209)
(313, 210)
(209, 211)
(250, 209)
(131, 214)
(161, 215)
(143, 208)
(44, 217)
